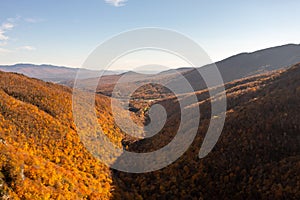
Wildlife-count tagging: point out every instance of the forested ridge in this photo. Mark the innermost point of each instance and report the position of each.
(257, 156)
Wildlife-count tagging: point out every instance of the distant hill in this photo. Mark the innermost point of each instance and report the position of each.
(247, 64)
(51, 72)
(127, 80)
(232, 68)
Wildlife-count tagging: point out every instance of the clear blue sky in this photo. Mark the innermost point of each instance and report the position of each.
(64, 32)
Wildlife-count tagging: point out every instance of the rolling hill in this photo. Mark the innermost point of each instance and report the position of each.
(247, 64)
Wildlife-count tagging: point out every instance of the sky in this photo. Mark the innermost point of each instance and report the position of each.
(65, 32)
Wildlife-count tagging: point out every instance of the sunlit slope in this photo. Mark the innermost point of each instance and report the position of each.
(41, 154)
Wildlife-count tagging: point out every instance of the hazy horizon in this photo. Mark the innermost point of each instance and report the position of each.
(65, 36)
(141, 69)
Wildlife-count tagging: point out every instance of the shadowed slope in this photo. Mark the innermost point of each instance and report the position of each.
(256, 157)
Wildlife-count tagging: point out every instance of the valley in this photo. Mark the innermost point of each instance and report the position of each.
(257, 155)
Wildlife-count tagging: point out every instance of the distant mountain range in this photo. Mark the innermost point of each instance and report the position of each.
(232, 68)
(52, 73)
(247, 64)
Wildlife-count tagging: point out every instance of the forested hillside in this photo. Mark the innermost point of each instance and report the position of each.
(41, 154)
(257, 156)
